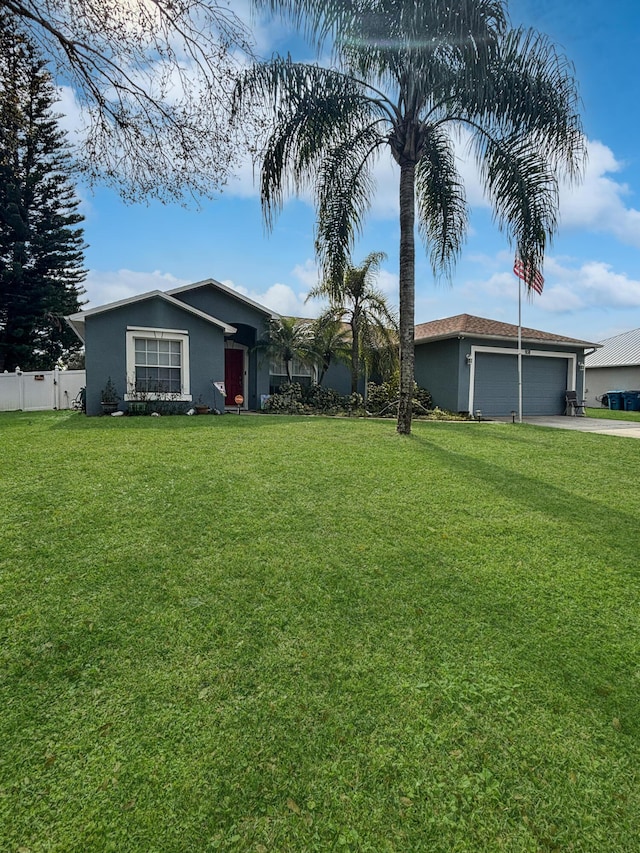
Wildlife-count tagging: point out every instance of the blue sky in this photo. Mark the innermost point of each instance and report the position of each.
(592, 271)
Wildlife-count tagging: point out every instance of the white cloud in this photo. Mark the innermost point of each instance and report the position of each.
(388, 283)
(598, 284)
(593, 284)
(71, 118)
(307, 273)
(598, 203)
(280, 298)
(105, 287)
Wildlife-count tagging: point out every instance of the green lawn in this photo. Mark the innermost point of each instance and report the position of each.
(299, 634)
(612, 414)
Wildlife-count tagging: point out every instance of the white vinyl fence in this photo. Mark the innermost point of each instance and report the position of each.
(37, 391)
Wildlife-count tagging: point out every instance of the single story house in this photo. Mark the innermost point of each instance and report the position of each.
(615, 366)
(178, 344)
(184, 340)
(470, 364)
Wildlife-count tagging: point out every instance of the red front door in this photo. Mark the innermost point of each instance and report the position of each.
(233, 375)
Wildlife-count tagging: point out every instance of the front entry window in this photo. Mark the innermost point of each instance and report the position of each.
(300, 372)
(157, 364)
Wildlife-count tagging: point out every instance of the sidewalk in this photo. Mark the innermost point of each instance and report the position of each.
(602, 426)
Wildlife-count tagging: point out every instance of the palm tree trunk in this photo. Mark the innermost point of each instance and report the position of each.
(355, 355)
(407, 294)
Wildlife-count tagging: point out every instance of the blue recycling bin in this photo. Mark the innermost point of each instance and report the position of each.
(616, 400)
(631, 401)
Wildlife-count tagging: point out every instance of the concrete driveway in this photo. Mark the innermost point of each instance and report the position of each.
(602, 426)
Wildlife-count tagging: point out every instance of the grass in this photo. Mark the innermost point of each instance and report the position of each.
(612, 414)
(298, 634)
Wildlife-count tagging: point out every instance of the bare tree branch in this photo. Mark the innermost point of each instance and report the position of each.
(153, 79)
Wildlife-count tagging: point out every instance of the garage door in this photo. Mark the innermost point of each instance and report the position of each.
(544, 381)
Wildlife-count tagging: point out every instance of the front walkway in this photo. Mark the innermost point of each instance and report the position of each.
(602, 426)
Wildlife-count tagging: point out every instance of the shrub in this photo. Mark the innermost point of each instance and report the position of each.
(321, 400)
(288, 400)
(381, 399)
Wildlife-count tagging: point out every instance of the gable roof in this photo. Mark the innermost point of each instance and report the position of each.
(620, 351)
(467, 325)
(76, 321)
(211, 282)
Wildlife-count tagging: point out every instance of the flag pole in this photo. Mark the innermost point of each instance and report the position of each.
(519, 350)
(533, 279)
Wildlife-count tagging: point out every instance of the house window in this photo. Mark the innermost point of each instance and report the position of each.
(300, 372)
(157, 364)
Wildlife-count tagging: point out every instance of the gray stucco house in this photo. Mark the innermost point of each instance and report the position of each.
(614, 367)
(470, 363)
(184, 340)
(188, 338)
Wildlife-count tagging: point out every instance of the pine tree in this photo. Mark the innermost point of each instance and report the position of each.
(41, 247)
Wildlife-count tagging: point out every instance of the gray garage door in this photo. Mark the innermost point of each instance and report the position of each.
(544, 381)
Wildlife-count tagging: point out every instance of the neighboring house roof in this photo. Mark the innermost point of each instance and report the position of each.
(226, 289)
(76, 321)
(467, 325)
(620, 351)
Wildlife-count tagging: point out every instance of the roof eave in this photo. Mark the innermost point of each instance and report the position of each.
(510, 338)
(78, 319)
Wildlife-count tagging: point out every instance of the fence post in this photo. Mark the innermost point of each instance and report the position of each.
(20, 388)
(56, 388)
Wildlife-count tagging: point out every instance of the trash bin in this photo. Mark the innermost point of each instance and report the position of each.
(615, 400)
(631, 401)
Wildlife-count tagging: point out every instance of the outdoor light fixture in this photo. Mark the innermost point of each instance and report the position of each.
(478, 415)
(581, 365)
(513, 416)
(469, 358)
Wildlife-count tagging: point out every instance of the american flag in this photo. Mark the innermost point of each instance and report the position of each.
(536, 282)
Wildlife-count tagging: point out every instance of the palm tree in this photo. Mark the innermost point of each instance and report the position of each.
(330, 342)
(408, 76)
(286, 339)
(354, 300)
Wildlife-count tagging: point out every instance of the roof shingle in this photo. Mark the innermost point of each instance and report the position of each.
(479, 327)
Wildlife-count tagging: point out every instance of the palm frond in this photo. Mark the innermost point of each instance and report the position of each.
(441, 201)
(530, 90)
(314, 109)
(344, 191)
(524, 193)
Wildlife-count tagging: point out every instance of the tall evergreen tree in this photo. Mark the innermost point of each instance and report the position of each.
(41, 245)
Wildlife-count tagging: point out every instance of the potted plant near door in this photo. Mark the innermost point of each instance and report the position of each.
(109, 398)
(201, 407)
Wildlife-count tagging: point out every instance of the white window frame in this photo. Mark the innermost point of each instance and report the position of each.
(152, 333)
(295, 363)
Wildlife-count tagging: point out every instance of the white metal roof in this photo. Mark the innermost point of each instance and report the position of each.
(620, 351)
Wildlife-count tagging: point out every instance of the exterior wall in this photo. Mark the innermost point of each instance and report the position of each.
(438, 368)
(223, 306)
(251, 324)
(442, 368)
(338, 377)
(603, 379)
(106, 348)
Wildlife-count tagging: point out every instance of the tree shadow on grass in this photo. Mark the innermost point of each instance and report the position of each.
(567, 615)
